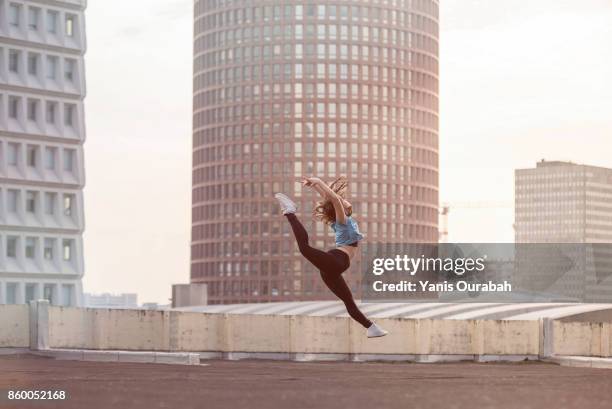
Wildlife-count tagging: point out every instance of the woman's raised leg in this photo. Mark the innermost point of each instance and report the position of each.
(319, 258)
(336, 283)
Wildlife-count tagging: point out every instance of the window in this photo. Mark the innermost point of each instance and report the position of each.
(51, 67)
(30, 292)
(67, 290)
(50, 203)
(13, 197)
(68, 205)
(69, 70)
(50, 154)
(50, 112)
(33, 64)
(51, 21)
(32, 109)
(69, 114)
(14, 57)
(14, 15)
(14, 107)
(30, 249)
(67, 249)
(11, 293)
(13, 154)
(70, 25)
(33, 17)
(48, 250)
(31, 202)
(11, 247)
(32, 156)
(68, 160)
(48, 293)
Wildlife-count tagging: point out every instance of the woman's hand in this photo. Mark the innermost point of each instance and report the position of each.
(304, 181)
(314, 181)
(308, 182)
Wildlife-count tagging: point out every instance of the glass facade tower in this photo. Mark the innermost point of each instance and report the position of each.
(323, 88)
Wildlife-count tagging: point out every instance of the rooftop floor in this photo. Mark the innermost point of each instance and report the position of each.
(268, 384)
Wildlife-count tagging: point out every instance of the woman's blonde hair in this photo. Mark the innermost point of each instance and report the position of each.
(324, 210)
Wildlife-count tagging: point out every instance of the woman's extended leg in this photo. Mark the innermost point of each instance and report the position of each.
(320, 259)
(336, 283)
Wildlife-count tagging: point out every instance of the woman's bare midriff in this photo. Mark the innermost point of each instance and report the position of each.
(349, 250)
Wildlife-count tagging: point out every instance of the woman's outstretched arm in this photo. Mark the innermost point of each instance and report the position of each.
(327, 193)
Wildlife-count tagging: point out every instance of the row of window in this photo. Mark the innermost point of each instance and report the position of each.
(240, 290)
(329, 150)
(40, 112)
(323, 110)
(47, 203)
(329, 168)
(265, 171)
(402, 78)
(354, 92)
(295, 268)
(56, 294)
(215, 230)
(573, 218)
(350, 34)
(248, 11)
(329, 52)
(386, 64)
(31, 248)
(37, 19)
(218, 219)
(255, 190)
(358, 131)
(366, 193)
(278, 246)
(259, 112)
(44, 67)
(50, 158)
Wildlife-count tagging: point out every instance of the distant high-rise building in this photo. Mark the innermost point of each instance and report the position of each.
(564, 211)
(42, 130)
(318, 88)
(563, 202)
(107, 300)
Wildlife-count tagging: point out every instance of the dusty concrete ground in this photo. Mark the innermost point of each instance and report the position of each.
(267, 384)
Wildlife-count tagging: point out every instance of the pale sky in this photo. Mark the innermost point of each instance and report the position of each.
(520, 81)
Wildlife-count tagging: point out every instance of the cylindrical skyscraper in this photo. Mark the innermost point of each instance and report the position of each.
(316, 88)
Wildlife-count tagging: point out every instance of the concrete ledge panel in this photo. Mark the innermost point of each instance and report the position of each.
(101, 356)
(272, 356)
(134, 356)
(322, 357)
(434, 358)
(382, 358)
(177, 358)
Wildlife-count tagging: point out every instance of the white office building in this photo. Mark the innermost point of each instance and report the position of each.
(42, 130)
(107, 300)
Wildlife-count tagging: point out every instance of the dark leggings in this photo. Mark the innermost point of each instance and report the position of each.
(331, 264)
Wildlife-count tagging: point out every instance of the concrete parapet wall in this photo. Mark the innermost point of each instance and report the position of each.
(93, 328)
(233, 333)
(14, 326)
(582, 338)
(299, 337)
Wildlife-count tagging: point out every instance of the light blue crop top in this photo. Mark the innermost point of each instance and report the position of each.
(348, 233)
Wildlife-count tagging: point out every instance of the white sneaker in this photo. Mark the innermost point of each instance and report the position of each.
(375, 331)
(286, 204)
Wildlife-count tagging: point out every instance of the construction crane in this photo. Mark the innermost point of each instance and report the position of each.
(446, 207)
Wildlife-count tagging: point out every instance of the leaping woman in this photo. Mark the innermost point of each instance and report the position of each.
(335, 211)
